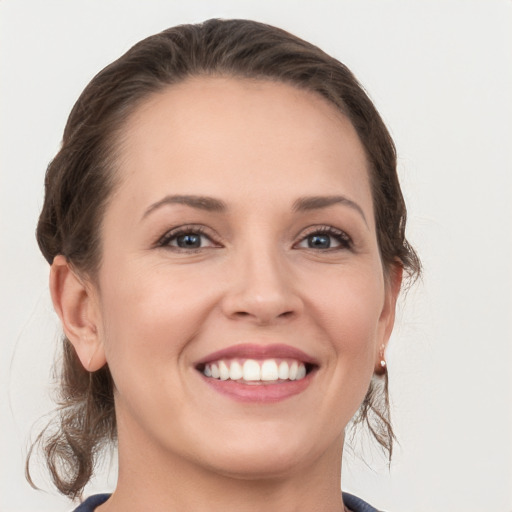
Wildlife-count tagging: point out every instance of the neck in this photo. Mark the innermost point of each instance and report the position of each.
(150, 479)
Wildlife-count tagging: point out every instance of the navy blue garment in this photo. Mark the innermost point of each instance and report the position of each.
(91, 503)
(352, 502)
(357, 504)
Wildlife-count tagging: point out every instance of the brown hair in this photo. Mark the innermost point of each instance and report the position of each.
(80, 180)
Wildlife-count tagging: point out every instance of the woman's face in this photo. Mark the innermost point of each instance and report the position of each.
(240, 242)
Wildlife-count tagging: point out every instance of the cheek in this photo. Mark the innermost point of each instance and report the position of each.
(148, 323)
(347, 309)
(148, 318)
(153, 320)
(349, 305)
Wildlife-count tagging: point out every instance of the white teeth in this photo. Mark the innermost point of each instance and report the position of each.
(269, 370)
(252, 370)
(293, 370)
(284, 370)
(235, 372)
(223, 370)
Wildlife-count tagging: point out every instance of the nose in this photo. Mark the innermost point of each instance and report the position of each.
(261, 289)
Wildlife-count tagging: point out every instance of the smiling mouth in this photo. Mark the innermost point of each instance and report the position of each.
(258, 374)
(256, 371)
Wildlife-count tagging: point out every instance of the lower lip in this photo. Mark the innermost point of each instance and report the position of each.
(259, 393)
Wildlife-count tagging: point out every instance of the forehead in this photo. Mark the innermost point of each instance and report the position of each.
(215, 135)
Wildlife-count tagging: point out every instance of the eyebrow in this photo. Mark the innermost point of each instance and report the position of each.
(209, 204)
(304, 204)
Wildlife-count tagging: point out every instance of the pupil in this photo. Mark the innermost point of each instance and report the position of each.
(189, 241)
(319, 242)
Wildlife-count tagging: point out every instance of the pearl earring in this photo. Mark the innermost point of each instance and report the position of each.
(382, 367)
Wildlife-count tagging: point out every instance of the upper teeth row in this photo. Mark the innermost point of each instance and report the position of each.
(252, 370)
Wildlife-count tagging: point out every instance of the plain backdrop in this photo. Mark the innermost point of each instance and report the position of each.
(440, 72)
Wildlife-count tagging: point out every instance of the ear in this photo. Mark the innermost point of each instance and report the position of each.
(393, 282)
(76, 305)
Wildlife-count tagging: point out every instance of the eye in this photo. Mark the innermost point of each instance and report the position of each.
(186, 238)
(189, 241)
(326, 238)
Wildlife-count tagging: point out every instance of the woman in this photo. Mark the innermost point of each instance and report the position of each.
(226, 235)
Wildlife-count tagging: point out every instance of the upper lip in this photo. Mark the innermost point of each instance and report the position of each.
(253, 351)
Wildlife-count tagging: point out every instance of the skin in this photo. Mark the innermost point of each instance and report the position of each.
(153, 310)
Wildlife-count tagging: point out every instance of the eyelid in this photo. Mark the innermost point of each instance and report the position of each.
(173, 233)
(344, 239)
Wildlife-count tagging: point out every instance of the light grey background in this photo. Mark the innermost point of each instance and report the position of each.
(441, 75)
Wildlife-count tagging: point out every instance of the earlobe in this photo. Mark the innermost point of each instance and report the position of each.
(77, 309)
(387, 319)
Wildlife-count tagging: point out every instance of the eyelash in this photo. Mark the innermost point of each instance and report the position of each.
(173, 234)
(344, 240)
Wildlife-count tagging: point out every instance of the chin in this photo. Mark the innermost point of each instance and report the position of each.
(266, 454)
(255, 466)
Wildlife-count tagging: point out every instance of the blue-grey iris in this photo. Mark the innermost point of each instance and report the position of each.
(319, 242)
(189, 241)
